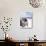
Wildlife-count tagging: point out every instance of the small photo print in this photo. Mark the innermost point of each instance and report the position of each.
(26, 20)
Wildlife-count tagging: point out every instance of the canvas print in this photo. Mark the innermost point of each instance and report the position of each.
(26, 20)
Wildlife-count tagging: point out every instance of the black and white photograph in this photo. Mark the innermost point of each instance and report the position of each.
(26, 20)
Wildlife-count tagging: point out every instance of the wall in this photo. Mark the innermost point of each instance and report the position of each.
(12, 8)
